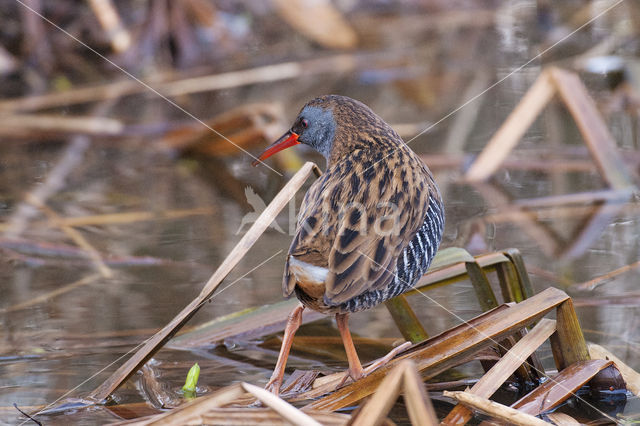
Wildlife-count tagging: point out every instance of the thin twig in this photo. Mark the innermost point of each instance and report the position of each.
(25, 414)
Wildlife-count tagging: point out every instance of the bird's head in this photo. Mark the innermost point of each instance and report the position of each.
(315, 126)
(330, 118)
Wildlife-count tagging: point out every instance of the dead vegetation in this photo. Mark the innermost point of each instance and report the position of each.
(507, 339)
(503, 327)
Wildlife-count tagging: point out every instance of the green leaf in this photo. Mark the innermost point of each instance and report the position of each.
(192, 379)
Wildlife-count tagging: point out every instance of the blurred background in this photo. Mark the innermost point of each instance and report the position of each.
(126, 129)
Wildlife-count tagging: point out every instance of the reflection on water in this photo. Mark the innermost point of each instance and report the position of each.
(159, 263)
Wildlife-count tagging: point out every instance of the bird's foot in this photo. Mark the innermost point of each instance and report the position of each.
(356, 374)
(385, 359)
(274, 385)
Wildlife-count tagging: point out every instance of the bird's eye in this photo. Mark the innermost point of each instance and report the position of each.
(305, 123)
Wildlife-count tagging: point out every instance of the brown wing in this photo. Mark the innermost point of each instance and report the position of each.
(357, 222)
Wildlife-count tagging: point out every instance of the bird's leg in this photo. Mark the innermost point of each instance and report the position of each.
(355, 368)
(293, 323)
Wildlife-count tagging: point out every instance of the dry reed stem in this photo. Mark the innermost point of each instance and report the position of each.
(514, 214)
(286, 410)
(89, 125)
(598, 139)
(495, 409)
(621, 195)
(419, 407)
(456, 161)
(496, 376)
(560, 387)
(376, 408)
(574, 95)
(514, 127)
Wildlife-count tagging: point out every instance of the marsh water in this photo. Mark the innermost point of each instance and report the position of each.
(413, 72)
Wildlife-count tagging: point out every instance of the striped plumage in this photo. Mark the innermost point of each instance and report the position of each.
(371, 174)
(369, 227)
(410, 265)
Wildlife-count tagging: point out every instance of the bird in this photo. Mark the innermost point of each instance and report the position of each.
(367, 228)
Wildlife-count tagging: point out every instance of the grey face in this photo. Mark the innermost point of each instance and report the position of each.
(319, 131)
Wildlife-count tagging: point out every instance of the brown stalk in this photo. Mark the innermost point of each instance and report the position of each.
(121, 218)
(559, 388)
(514, 127)
(233, 416)
(567, 343)
(593, 128)
(496, 376)
(416, 397)
(437, 161)
(375, 410)
(620, 195)
(118, 218)
(557, 212)
(574, 95)
(247, 125)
